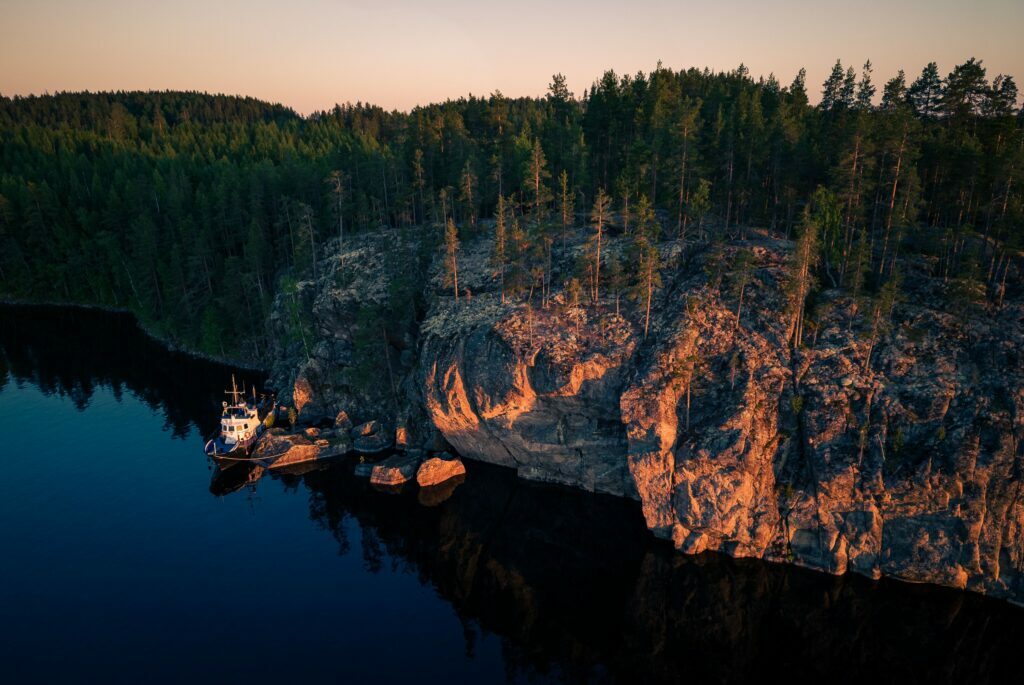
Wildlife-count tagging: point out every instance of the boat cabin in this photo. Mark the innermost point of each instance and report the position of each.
(238, 422)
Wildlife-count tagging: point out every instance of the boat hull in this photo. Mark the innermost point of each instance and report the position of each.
(227, 454)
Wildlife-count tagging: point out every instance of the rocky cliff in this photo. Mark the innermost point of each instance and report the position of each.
(902, 458)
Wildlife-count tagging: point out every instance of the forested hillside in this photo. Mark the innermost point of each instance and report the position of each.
(190, 209)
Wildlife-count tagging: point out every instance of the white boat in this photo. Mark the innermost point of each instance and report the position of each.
(241, 425)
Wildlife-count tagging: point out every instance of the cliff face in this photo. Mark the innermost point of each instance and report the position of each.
(906, 466)
(548, 409)
(346, 340)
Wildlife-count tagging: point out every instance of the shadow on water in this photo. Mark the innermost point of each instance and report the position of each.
(572, 584)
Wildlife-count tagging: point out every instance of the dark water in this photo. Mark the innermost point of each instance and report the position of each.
(123, 559)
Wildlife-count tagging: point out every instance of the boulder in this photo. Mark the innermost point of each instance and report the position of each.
(395, 470)
(437, 470)
(401, 436)
(285, 450)
(367, 429)
(342, 421)
(371, 438)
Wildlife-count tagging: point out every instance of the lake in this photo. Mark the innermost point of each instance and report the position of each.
(127, 558)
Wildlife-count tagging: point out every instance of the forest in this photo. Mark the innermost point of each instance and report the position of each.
(192, 210)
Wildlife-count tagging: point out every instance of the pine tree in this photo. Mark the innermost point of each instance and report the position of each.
(646, 222)
(419, 180)
(499, 255)
(699, 204)
(467, 194)
(689, 123)
(451, 248)
(1002, 97)
(536, 177)
(337, 182)
(847, 92)
(742, 274)
(646, 257)
(832, 88)
(798, 89)
(880, 313)
(800, 279)
(521, 249)
(925, 93)
(894, 95)
(966, 90)
(865, 89)
(615, 279)
(598, 218)
(566, 204)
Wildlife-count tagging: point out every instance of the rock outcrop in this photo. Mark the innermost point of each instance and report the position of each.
(908, 466)
(901, 458)
(280, 450)
(437, 470)
(397, 469)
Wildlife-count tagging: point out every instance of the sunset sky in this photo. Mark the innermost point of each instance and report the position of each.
(309, 54)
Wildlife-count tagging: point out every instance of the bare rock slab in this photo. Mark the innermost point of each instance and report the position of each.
(437, 470)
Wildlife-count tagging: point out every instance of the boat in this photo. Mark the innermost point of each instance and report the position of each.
(242, 424)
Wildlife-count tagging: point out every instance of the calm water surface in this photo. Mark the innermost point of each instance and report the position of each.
(125, 557)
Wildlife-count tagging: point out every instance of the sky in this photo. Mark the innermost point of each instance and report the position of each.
(311, 54)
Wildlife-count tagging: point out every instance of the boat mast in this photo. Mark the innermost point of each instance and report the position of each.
(234, 390)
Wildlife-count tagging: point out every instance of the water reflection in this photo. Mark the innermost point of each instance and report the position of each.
(578, 591)
(70, 352)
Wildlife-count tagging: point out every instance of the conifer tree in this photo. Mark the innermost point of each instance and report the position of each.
(337, 183)
(689, 122)
(894, 95)
(419, 180)
(865, 89)
(499, 255)
(451, 248)
(615, 279)
(880, 312)
(800, 279)
(832, 89)
(467, 194)
(566, 204)
(646, 257)
(536, 177)
(925, 93)
(598, 219)
(699, 204)
(742, 274)
(798, 89)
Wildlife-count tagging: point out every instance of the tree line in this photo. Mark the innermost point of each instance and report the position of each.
(188, 208)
